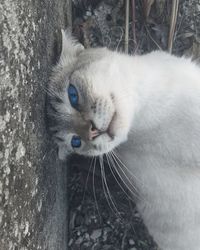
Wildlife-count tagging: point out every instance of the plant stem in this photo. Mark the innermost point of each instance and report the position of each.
(126, 28)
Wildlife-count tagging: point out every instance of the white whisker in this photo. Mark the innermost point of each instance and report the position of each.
(106, 190)
(111, 165)
(121, 169)
(119, 161)
(94, 192)
(127, 169)
(86, 182)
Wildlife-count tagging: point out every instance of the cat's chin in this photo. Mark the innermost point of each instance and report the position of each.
(105, 144)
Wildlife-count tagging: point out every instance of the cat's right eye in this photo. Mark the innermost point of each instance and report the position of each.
(73, 96)
(76, 141)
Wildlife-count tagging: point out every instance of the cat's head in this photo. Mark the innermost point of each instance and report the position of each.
(86, 108)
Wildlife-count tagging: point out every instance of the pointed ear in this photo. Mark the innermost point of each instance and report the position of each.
(70, 47)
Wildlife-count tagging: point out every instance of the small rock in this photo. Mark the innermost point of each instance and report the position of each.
(70, 242)
(131, 242)
(88, 13)
(95, 234)
(79, 241)
(87, 236)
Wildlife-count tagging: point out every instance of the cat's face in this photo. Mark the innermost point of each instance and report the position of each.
(84, 111)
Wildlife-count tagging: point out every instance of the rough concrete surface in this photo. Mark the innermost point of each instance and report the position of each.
(32, 181)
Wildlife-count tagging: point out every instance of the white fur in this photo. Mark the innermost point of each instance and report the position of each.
(157, 131)
(163, 147)
(158, 98)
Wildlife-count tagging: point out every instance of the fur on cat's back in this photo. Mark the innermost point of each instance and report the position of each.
(148, 108)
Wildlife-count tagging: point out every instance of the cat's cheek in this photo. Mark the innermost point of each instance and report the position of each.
(63, 152)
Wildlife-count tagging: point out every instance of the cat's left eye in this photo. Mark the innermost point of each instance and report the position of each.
(76, 141)
(73, 96)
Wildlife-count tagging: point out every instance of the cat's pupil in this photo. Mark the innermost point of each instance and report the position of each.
(73, 97)
(76, 141)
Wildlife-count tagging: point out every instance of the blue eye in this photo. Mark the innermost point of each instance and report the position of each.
(76, 141)
(73, 95)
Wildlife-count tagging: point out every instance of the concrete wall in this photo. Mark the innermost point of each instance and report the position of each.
(32, 181)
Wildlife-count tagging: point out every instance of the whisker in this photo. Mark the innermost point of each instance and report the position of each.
(121, 169)
(128, 170)
(132, 215)
(86, 182)
(58, 114)
(49, 153)
(94, 192)
(132, 189)
(115, 157)
(111, 167)
(105, 188)
(109, 194)
(51, 92)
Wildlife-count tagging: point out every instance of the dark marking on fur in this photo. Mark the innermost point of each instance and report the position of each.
(58, 99)
(51, 106)
(59, 139)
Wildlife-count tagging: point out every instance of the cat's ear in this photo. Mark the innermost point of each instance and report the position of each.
(70, 47)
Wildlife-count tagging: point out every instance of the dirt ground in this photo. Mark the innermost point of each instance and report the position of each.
(93, 223)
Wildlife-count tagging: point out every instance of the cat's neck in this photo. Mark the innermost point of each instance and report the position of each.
(160, 159)
(154, 84)
(164, 106)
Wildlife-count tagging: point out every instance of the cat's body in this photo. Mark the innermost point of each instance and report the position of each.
(149, 108)
(163, 151)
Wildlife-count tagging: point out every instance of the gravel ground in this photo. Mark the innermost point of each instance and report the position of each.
(93, 224)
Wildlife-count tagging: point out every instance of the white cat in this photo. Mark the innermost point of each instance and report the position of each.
(148, 109)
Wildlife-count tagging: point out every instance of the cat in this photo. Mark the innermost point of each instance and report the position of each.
(144, 112)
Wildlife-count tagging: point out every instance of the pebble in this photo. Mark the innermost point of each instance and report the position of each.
(95, 234)
(131, 242)
(88, 13)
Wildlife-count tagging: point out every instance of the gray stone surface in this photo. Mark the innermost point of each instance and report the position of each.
(32, 181)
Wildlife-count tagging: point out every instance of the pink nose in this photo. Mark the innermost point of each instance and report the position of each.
(93, 133)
